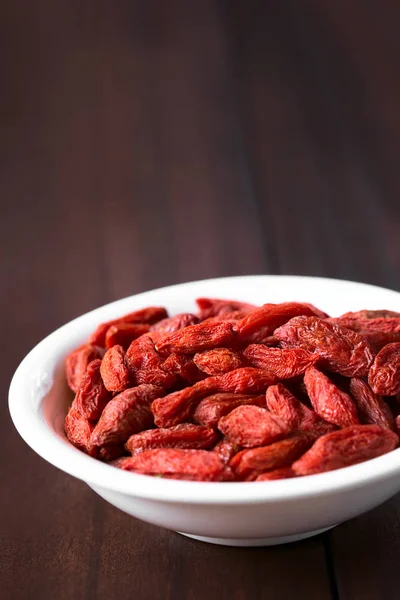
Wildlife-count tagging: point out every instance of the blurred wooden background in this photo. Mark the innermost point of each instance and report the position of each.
(149, 143)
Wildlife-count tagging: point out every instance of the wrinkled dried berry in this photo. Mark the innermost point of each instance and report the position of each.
(346, 447)
(248, 464)
(384, 375)
(181, 436)
(211, 409)
(193, 465)
(77, 361)
(329, 402)
(196, 338)
(341, 350)
(251, 426)
(372, 409)
(218, 361)
(280, 363)
(113, 370)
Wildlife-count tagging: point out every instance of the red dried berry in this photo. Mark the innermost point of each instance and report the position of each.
(248, 464)
(218, 361)
(77, 361)
(186, 436)
(172, 324)
(113, 370)
(123, 334)
(179, 406)
(192, 465)
(329, 402)
(226, 450)
(372, 409)
(214, 307)
(230, 317)
(378, 330)
(196, 338)
(183, 365)
(127, 413)
(261, 323)
(92, 396)
(280, 363)
(78, 430)
(384, 375)
(211, 409)
(282, 403)
(251, 426)
(346, 447)
(341, 350)
(149, 315)
(145, 365)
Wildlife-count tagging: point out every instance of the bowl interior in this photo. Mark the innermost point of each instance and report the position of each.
(39, 396)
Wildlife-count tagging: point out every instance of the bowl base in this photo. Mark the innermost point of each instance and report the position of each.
(272, 541)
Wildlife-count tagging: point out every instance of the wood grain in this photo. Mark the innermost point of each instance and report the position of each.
(149, 143)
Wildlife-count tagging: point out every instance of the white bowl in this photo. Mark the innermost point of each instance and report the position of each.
(237, 514)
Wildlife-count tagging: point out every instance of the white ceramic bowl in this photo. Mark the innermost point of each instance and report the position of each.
(238, 514)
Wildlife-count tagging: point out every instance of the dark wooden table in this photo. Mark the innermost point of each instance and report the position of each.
(149, 143)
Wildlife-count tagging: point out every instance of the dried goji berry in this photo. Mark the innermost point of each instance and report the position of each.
(77, 361)
(218, 361)
(284, 473)
(372, 409)
(345, 447)
(123, 334)
(252, 426)
(397, 425)
(280, 363)
(384, 375)
(211, 409)
(179, 406)
(183, 365)
(248, 464)
(341, 350)
(113, 370)
(145, 365)
(213, 307)
(226, 450)
(282, 403)
(262, 322)
(78, 430)
(329, 402)
(175, 323)
(92, 395)
(194, 465)
(196, 338)
(149, 315)
(127, 413)
(231, 317)
(379, 331)
(187, 436)
(246, 380)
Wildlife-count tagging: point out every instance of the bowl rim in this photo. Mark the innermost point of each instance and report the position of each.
(33, 428)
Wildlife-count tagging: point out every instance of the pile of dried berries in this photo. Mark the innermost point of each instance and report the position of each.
(237, 392)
